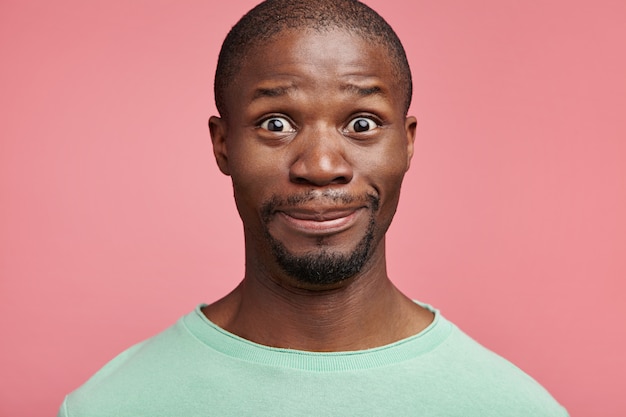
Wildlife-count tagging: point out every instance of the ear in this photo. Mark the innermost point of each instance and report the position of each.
(217, 128)
(410, 126)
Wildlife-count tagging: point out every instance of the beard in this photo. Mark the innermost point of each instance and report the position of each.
(323, 267)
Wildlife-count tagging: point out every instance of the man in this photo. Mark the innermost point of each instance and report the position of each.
(313, 98)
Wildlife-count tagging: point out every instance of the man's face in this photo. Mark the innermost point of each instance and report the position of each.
(317, 144)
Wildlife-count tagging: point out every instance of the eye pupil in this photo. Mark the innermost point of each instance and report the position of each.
(275, 125)
(361, 125)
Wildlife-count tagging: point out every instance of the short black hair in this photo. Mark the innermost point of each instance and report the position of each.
(271, 17)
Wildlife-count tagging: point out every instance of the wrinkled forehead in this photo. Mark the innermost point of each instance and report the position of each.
(336, 44)
(331, 57)
(287, 33)
(238, 53)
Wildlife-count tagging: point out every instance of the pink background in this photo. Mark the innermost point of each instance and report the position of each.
(114, 220)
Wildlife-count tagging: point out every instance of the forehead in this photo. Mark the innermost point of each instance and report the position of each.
(330, 56)
(332, 48)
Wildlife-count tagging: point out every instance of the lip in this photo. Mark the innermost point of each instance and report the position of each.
(320, 221)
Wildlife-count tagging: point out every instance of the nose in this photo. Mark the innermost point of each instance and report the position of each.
(320, 159)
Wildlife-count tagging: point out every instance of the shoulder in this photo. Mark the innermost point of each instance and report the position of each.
(477, 375)
(147, 370)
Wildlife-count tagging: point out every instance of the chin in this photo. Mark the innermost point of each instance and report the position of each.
(325, 266)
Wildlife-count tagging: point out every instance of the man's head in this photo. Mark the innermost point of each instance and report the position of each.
(315, 136)
(271, 17)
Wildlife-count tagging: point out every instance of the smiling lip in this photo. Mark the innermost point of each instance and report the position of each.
(320, 221)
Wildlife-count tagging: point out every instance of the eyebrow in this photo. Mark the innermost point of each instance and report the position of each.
(362, 91)
(349, 88)
(272, 92)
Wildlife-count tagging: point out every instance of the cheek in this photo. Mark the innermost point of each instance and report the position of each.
(386, 173)
(254, 163)
(254, 183)
(246, 181)
(385, 167)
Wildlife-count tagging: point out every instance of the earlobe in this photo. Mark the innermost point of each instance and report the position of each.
(217, 128)
(410, 126)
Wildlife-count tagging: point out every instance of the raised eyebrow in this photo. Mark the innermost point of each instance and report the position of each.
(271, 92)
(362, 91)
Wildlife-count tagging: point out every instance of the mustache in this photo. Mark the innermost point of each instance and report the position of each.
(327, 196)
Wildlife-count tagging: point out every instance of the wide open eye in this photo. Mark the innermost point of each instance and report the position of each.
(361, 124)
(277, 124)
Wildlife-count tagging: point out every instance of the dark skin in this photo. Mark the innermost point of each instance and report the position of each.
(316, 113)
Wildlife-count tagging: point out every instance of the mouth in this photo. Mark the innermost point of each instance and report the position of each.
(320, 221)
(317, 214)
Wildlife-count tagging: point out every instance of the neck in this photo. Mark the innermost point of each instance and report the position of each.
(364, 312)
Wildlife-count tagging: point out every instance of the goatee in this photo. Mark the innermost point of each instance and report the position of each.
(323, 267)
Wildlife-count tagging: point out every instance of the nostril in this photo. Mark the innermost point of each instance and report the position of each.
(340, 180)
(300, 180)
(311, 181)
